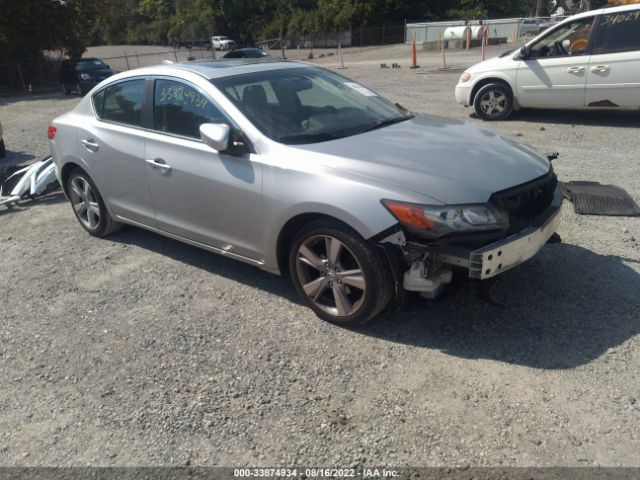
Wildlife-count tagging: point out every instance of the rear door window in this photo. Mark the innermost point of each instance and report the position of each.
(122, 102)
(617, 32)
(180, 109)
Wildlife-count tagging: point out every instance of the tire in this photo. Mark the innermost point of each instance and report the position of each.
(493, 102)
(3, 150)
(101, 226)
(326, 288)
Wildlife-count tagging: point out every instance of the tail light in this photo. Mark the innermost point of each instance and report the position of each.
(51, 132)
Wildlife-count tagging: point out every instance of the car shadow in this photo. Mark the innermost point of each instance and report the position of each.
(208, 261)
(52, 198)
(15, 158)
(564, 308)
(596, 118)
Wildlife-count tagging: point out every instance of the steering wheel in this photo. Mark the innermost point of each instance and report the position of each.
(560, 50)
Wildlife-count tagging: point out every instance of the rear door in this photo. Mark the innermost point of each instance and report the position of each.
(613, 79)
(554, 75)
(112, 144)
(211, 197)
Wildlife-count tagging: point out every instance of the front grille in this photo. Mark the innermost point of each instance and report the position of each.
(525, 202)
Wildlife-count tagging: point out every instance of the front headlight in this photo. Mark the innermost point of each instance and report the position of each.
(437, 221)
(85, 76)
(465, 77)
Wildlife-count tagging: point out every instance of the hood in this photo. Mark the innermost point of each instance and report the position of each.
(448, 160)
(101, 73)
(494, 63)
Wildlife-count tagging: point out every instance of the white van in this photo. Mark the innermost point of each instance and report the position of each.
(590, 60)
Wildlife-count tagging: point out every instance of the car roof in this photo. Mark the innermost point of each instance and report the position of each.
(232, 66)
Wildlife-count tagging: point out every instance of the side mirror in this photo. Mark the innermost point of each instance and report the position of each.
(216, 135)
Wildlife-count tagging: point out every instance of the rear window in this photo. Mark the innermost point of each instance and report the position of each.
(617, 32)
(121, 103)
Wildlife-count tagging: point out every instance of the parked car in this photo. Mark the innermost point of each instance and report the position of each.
(3, 150)
(590, 60)
(530, 26)
(246, 53)
(202, 44)
(82, 75)
(296, 169)
(183, 44)
(222, 43)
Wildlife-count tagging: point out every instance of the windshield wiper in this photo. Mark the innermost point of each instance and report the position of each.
(301, 138)
(386, 123)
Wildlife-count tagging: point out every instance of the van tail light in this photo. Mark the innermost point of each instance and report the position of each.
(51, 132)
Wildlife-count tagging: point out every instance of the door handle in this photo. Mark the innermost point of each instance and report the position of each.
(575, 69)
(90, 145)
(159, 164)
(600, 68)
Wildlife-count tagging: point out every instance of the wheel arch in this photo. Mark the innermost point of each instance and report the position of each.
(486, 81)
(67, 168)
(288, 232)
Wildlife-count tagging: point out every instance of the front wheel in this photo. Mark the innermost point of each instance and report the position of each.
(493, 102)
(88, 205)
(340, 276)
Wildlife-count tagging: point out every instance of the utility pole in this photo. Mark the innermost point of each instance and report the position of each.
(538, 8)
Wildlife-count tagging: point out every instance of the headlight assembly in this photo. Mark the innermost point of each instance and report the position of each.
(438, 221)
(85, 76)
(465, 77)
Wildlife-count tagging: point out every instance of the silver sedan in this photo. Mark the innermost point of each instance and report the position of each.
(299, 170)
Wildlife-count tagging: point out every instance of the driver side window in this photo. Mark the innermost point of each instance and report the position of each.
(571, 39)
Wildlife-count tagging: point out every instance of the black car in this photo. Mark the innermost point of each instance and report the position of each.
(82, 75)
(246, 53)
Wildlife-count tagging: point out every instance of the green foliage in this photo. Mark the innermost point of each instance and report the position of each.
(27, 27)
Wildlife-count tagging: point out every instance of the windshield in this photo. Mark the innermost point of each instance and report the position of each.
(90, 64)
(307, 105)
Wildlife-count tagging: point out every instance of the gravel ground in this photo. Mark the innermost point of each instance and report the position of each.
(138, 350)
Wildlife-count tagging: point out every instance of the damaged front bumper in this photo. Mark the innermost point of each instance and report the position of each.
(498, 257)
(432, 270)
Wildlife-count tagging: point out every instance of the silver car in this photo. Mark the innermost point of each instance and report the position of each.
(299, 170)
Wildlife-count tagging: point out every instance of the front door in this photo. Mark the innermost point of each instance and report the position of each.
(554, 74)
(200, 194)
(613, 79)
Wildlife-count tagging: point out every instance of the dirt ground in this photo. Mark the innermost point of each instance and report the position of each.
(138, 350)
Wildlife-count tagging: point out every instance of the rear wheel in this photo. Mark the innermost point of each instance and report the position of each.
(88, 206)
(493, 102)
(338, 274)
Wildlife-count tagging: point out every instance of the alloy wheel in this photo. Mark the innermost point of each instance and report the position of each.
(85, 203)
(493, 103)
(330, 275)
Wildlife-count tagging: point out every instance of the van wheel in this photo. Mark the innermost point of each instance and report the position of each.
(493, 102)
(338, 274)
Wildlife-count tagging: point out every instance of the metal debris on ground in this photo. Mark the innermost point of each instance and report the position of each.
(592, 198)
(27, 181)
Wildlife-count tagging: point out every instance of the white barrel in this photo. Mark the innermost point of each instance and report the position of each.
(458, 33)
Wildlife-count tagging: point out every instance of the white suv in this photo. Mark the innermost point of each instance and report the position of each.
(590, 60)
(222, 43)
